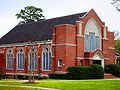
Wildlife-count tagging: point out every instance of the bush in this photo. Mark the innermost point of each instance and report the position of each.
(2, 75)
(86, 72)
(113, 69)
(97, 71)
(58, 76)
(79, 72)
(45, 77)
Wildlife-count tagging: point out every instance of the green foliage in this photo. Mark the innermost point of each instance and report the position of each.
(79, 72)
(113, 69)
(45, 77)
(2, 76)
(117, 46)
(86, 72)
(98, 71)
(30, 14)
(58, 76)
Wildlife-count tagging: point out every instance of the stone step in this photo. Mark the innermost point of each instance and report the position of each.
(109, 76)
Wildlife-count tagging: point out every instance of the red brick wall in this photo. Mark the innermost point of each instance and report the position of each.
(2, 62)
(26, 51)
(111, 50)
(65, 46)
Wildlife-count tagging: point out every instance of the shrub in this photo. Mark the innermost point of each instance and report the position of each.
(97, 71)
(79, 72)
(45, 77)
(58, 76)
(86, 72)
(113, 69)
(2, 75)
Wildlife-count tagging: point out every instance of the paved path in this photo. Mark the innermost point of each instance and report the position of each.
(42, 88)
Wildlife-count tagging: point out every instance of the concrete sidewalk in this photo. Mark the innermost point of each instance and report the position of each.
(42, 88)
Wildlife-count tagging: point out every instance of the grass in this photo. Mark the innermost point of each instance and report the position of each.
(15, 88)
(69, 84)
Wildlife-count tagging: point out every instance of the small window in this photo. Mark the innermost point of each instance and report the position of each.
(60, 64)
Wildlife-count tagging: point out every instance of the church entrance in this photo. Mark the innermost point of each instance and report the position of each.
(97, 62)
(98, 59)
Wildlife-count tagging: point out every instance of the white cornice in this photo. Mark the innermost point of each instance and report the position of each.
(79, 35)
(111, 48)
(64, 44)
(105, 38)
(80, 58)
(79, 21)
(26, 43)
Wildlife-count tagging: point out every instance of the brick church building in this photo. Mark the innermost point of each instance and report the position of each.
(53, 45)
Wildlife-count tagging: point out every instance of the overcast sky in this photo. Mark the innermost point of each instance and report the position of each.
(56, 8)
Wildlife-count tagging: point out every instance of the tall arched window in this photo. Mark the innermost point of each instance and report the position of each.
(92, 36)
(46, 58)
(20, 59)
(33, 59)
(9, 59)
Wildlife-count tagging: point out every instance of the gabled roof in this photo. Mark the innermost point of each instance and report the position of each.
(37, 31)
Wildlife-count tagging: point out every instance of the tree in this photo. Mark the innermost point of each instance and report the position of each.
(30, 14)
(117, 46)
(117, 42)
(116, 3)
(117, 35)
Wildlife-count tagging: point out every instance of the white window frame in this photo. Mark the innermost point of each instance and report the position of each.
(44, 51)
(29, 58)
(17, 59)
(60, 63)
(9, 53)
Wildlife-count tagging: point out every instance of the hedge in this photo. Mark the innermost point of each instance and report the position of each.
(86, 72)
(113, 69)
(58, 76)
(2, 76)
(98, 71)
(80, 72)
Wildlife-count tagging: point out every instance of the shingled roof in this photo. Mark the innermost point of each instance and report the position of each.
(37, 31)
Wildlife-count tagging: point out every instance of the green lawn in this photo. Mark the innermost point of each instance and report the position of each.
(69, 84)
(15, 88)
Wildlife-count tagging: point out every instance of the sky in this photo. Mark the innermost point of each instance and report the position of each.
(57, 8)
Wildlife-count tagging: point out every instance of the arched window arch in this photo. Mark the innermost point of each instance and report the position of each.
(33, 59)
(9, 59)
(20, 59)
(92, 36)
(46, 58)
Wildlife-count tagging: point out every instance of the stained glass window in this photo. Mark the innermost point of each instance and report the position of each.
(9, 59)
(46, 58)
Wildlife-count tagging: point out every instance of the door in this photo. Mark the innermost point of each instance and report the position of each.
(97, 62)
